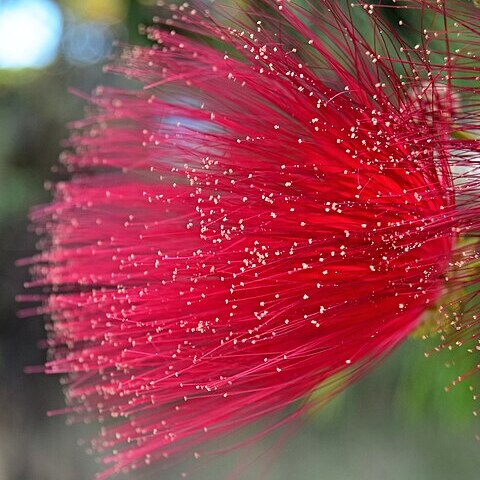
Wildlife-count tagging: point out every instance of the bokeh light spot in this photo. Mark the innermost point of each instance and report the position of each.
(87, 43)
(30, 33)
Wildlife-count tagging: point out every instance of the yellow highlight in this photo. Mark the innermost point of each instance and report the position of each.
(105, 11)
(443, 315)
(459, 135)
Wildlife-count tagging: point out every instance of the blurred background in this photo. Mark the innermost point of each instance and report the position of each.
(398, 423)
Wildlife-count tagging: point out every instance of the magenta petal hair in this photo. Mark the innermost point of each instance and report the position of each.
(272, 210)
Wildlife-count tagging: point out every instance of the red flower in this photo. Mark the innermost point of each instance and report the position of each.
(274, 210)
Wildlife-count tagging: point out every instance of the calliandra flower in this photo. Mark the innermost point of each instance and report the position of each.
(271, 211)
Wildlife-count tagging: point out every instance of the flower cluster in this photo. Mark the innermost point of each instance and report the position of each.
(271, 211)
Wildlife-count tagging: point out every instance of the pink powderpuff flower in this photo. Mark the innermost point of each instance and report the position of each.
(270, 212)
